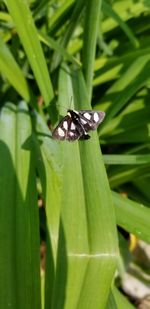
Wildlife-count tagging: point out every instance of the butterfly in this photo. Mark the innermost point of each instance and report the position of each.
(76, 124)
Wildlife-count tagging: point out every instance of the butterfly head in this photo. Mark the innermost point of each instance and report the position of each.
(71, 112)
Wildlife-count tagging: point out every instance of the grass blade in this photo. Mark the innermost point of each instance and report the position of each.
(127, 210)
(11, 70)
(121, 301)
(28, 35)
(131, 81)
(111, 304)
(57, 47)
(110, 12)
(49, 167)
(126, 159)
(48, 162)
(92, 16)
(19, 237)
(60, 16)
(75, 16)
(121, 174)
(86, 245)
(126, 10)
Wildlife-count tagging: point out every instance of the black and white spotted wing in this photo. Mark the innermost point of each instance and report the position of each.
(66, 130)
(75, 125)
(91, 119)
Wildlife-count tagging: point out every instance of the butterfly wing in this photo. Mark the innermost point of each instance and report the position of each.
(59, 132)
(91, 119)
(66, 130)
(75, 125)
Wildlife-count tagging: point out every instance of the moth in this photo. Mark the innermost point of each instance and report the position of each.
(76, 124)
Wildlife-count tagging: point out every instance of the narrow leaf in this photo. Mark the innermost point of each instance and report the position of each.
(121, 301)
(132, 216)
(126, 159)
(92, 16)
(110, 12)
(24, 23)
(10, 68)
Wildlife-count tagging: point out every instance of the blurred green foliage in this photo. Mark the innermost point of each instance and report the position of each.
(87, 54)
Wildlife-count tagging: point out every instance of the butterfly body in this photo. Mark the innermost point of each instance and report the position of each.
(76, 124)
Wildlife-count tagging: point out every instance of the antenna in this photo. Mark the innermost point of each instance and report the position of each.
(65, 107)
(71, 99)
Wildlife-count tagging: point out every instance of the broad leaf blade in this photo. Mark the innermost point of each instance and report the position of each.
(20, 265)
(86, 247)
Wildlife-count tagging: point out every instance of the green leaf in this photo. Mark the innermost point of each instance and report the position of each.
(111, 304)
(132, 216)
(126, 9)
(28, 35)
(132, 118)
(75, 16)
(122, 91)
(10, 68)
(143, 186)
(107, 9)
(87, 248)
(60, 16)
(122, 174)
(111, 68)
(121, 301)
(49, 165)
(57, 47)
(19, 225)
(126, 159)
(92, 16)
(141, 134)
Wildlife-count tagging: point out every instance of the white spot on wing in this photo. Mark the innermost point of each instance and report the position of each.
(61, 132)
(65, 125)
(96, 117)
(71, 133)
(87, 116)
(83, 121)
(72, 127)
